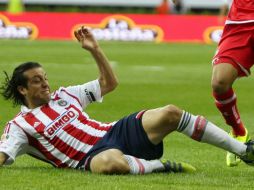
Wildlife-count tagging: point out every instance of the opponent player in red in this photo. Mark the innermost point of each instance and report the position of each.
(233, 59)
(54, 128)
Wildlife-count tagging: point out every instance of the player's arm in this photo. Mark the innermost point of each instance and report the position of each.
(223, 12)
(107, 78)
(3, 158)
(12, 144)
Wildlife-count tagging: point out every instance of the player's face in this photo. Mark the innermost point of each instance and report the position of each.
(37, 91)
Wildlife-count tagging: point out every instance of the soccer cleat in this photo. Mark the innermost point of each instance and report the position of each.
(232, 159)
(174, 167)
(249, 157)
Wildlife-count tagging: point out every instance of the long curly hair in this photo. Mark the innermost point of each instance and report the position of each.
(9, 89)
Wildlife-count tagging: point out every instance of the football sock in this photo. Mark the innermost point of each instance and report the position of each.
(141, 166)
(226, 103)
(199, 129)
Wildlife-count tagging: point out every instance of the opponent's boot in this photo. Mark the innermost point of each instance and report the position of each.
(231, 158)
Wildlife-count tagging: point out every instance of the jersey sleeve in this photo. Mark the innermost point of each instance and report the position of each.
(83, 94)
(13, 142)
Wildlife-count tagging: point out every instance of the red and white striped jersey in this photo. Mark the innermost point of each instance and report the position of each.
(58, 132)
(241, 11)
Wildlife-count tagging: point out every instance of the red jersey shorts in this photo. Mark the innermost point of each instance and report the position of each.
(236, 47)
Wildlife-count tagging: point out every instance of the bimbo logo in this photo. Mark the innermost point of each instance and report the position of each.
(122, 28)
(63, 120)
(213, 34)
(19, 30)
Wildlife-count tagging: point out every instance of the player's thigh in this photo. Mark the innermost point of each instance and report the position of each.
(108, 162)
(159, 122)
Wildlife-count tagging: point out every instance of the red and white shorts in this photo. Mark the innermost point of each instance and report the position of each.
(236, 47)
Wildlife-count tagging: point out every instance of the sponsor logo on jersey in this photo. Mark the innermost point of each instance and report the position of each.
(64, 119)
(90, 96)
(122, 28)
(17, 30)
(213, 34)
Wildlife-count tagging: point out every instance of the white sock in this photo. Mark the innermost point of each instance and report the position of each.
(141, 166)
(199, 129)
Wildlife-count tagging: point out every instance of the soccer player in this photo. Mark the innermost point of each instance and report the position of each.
(233, 59)
(163, 8)
(53, 127)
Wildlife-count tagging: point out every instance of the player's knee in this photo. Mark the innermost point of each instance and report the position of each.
(114, 166)
(171, 115)
(220, 86)
(108, 164)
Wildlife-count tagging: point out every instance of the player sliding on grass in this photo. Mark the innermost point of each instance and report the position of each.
(54, 128)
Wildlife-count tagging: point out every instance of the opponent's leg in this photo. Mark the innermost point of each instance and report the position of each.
(223, 77)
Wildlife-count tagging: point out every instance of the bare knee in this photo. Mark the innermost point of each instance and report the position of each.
(220, 86)
(159, 122)
(171, 115)
(223, 77)
(109, 163)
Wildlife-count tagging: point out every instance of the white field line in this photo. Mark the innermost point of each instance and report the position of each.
(114, 64)
(148, 68)
(50, 64)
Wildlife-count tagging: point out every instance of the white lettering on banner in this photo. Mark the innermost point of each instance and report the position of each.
(213, 34)
(216, 35)
(122, 28)
(60, 122)
(16, 30)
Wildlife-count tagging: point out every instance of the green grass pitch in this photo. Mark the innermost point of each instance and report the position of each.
(150, 75)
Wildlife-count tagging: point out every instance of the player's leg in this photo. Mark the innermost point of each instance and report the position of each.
(160, 122)
(157, 124)
(233, 59)
(108, 162)
(223, 77)
(113, 161)
(127, 149)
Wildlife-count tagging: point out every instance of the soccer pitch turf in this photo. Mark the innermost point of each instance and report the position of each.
(150, 75)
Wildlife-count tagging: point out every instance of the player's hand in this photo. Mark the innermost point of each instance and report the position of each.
(85, 37)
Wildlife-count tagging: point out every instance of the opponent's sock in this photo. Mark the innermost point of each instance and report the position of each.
(141, 166)
(199, 129)
(226, 103)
